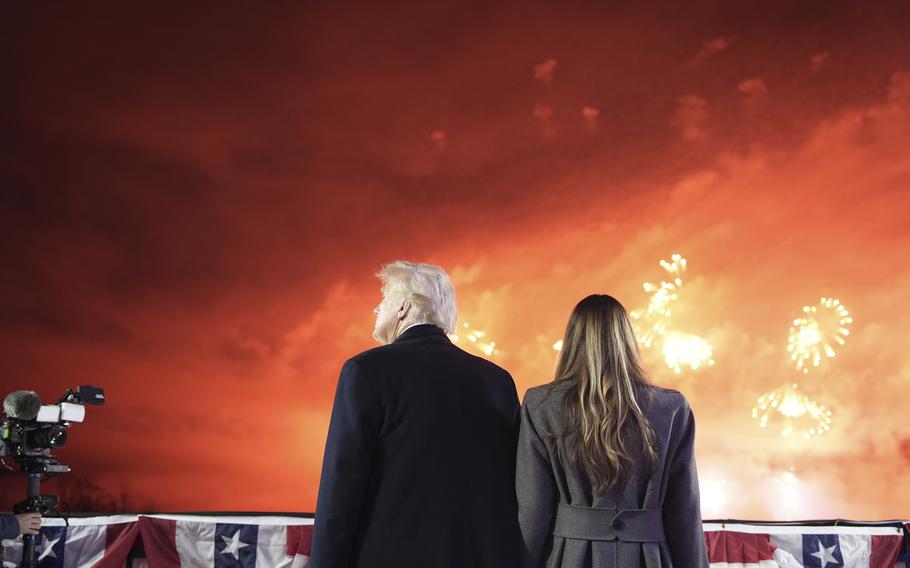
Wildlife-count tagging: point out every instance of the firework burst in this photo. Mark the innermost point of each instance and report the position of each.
(822, 330)
(653, 321)
(476, 338)
(684, 350)
(798, 413)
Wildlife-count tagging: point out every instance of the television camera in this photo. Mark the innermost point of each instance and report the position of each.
(29, 432)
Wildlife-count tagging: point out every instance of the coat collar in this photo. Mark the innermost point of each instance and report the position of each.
(421, 330)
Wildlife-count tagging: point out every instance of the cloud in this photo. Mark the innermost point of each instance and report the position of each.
(818, 60)
(590, 115)
(544, 70)
(754, 91)
(544, 114)
(709, 48)
(240, 348)
(899, 89)
(690, 117)
(903, 448)
(439, 139)
(302, 356)
(754, 87)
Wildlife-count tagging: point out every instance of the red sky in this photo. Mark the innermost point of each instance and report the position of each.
(195, 202)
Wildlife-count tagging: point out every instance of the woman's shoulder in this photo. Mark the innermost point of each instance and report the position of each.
(653, 394)
(668, 397)
(541, 394)
(672, 395)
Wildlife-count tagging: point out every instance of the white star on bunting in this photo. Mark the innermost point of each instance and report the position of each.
(48, 551)
(825, 554)
(233, 545)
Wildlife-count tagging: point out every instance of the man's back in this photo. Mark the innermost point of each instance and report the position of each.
(420, 460)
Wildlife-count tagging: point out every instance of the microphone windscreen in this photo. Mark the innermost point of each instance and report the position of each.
(22, 405)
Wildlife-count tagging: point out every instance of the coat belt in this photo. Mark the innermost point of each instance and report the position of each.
(600, 523)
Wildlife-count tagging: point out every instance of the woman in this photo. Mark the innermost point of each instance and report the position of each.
(605, 472)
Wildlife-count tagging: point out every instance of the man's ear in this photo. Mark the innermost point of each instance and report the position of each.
(404, 309)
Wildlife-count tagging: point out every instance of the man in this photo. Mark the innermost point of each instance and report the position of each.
(420, 459)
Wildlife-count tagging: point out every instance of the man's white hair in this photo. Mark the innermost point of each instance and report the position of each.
(426, 286)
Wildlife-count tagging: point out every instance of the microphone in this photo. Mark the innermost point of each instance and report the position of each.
(22, 405)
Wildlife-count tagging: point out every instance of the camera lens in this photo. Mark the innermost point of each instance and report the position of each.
(51, 437)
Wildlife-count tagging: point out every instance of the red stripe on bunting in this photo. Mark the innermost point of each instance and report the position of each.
(738, 548)
(300, 539)
(159, 539)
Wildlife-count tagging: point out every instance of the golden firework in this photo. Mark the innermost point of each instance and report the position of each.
(476, 338)
(822, 329)
(797, 412)
(684, 350)
(653, 321)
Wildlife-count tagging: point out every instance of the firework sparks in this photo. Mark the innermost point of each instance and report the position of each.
(798, 413)
(653, 321)
(686, 351)
(822, 329)
(474, 337)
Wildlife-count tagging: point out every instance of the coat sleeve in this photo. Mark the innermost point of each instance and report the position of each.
(682, 506)
(537, 494)
(9, 527)
(346, 467)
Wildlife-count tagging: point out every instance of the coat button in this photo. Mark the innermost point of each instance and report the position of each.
(616, 525)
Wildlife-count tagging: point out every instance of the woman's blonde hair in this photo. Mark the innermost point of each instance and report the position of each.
(600, 360)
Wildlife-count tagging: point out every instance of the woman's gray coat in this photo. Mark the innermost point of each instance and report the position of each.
(650, 523)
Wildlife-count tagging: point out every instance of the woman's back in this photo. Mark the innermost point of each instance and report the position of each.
(646, 521)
